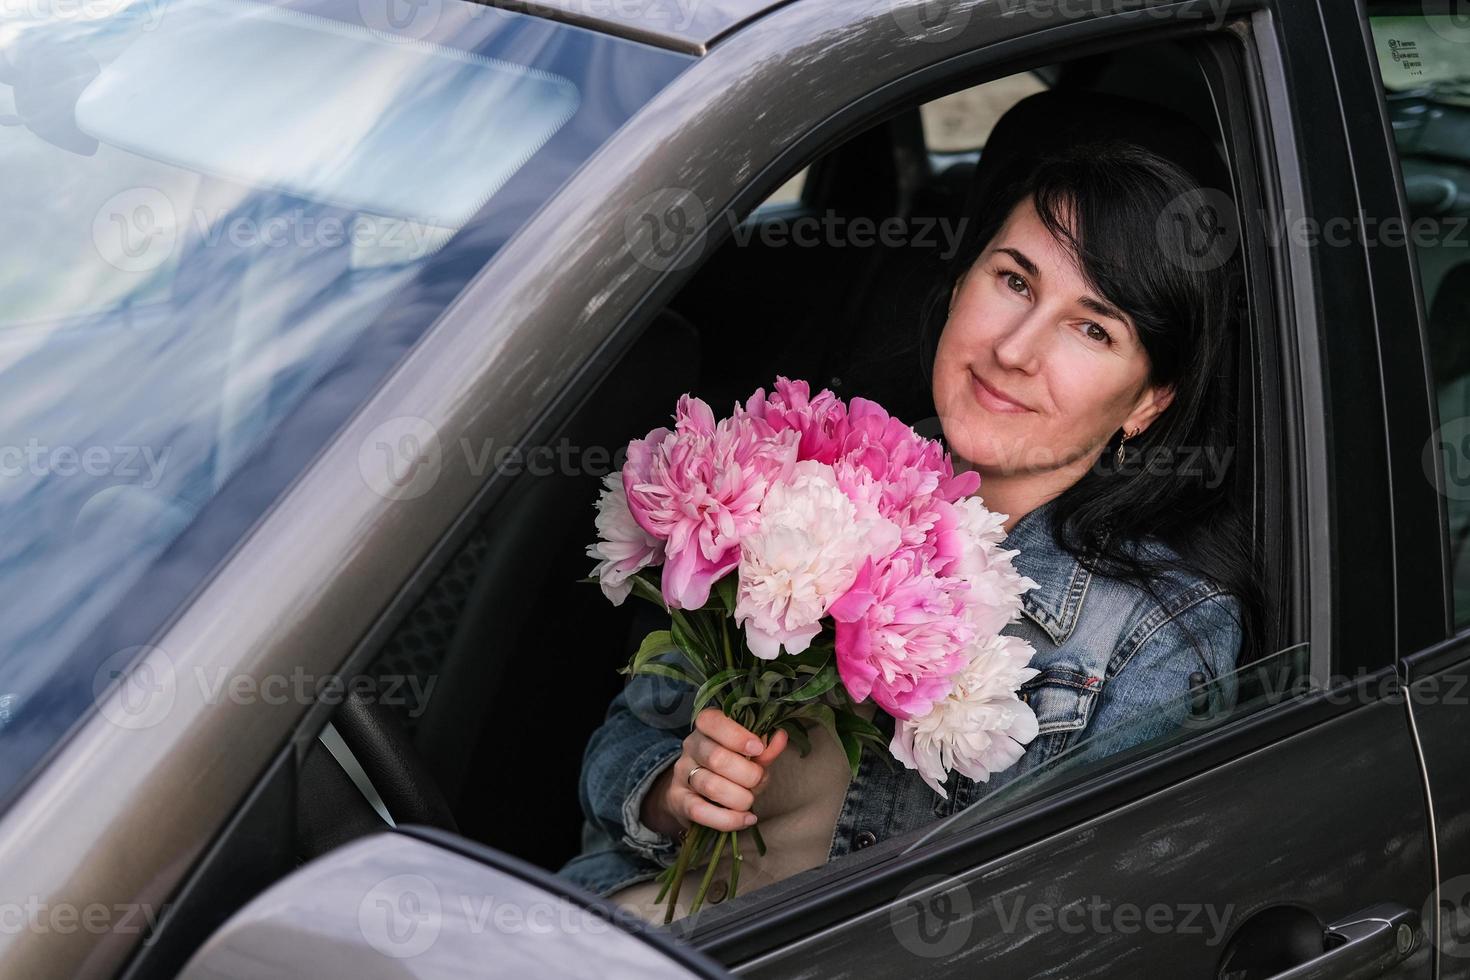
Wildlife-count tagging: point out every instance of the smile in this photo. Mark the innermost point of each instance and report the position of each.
(994, 400)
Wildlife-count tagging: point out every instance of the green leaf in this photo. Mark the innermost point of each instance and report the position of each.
(821, 714)
(853, 746)
(726, 590)
(655, 643)
(821, 682)
(645, 589)
(711, 687)
(698, 654)
(848, 721)
(669, 671)
(796, 731)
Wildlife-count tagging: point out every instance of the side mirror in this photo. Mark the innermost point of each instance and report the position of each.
(418, 903)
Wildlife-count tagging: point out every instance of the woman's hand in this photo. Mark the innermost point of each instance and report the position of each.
(732, 766)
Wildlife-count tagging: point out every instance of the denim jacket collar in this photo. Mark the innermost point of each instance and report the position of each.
(1061, 581)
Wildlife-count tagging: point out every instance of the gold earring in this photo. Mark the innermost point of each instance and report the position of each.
(1126, 436)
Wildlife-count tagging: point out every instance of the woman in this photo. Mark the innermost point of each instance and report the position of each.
(1075, 355)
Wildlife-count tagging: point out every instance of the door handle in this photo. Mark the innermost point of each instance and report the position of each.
(1360, 946)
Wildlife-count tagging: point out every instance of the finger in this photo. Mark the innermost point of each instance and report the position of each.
(733, 766)
(728, 732)
(778, 742)
(702, 811)
(716, 788)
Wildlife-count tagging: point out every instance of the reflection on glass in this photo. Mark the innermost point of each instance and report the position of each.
(206, 204)
(1266, 682)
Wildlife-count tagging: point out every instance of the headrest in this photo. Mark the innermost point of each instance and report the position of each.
(1054, 120)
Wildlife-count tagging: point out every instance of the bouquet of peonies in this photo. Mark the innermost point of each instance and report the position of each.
(815, 555)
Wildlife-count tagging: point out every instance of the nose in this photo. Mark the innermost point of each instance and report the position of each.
(1019, 347)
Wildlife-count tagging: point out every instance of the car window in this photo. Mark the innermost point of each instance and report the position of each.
(1264, 683)
(956, 123)
(213, 210)
(1424, 61)
(961, 121)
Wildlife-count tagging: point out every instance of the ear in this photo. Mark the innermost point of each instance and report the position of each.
(1151, 403)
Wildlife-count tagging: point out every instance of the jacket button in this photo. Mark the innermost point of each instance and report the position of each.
(866, 839)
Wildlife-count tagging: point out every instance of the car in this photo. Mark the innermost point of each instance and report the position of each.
(323, 322)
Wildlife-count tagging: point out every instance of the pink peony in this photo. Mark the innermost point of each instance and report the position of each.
(699, 490)
(901, 633)
(821, 421)
(911, 469)
(622, 547)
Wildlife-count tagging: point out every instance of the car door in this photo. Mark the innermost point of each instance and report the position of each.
(1421, 57)
(1290, 837)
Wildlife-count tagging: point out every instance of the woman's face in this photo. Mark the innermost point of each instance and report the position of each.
(1035, 371)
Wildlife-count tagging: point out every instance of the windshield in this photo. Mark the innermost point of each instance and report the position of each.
(225, 220)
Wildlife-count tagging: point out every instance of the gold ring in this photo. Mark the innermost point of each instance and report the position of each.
(689, 779)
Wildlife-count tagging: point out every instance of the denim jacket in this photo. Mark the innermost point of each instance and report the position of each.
(1111, 658)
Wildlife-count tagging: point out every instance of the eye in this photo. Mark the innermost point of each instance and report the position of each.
(1095, 331)
(1015, 282)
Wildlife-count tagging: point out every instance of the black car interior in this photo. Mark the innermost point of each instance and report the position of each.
(841, 317)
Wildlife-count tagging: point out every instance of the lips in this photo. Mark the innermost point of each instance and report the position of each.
(993, 399)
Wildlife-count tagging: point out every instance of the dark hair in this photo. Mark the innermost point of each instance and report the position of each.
(1124, 212)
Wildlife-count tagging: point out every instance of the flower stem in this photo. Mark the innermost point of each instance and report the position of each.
(709, 873)
(681, 865)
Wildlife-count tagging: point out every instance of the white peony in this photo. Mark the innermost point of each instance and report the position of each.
(806, 552)
(981, 727)
(995, 586)
(623, 547)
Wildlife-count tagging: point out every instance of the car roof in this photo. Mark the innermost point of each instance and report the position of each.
(690, 26)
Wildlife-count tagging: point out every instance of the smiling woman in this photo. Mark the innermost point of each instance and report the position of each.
(1076, 312)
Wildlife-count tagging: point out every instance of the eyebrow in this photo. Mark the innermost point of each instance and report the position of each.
(1095, 305)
